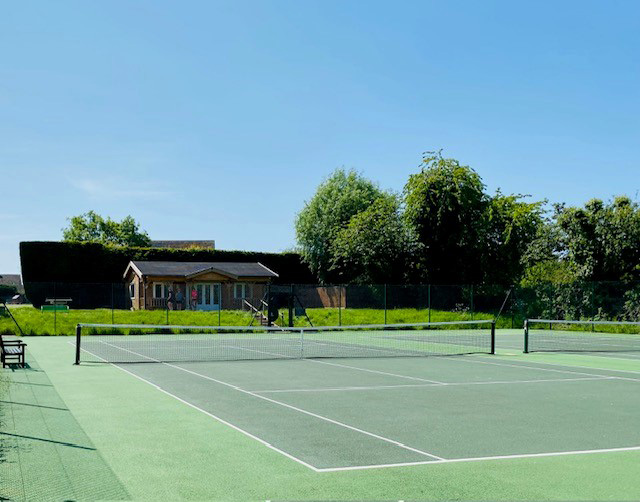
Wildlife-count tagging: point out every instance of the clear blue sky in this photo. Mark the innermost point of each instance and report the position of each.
(217, 120)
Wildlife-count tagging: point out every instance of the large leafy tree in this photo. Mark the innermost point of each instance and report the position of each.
(511, 226)
(376, 246)
(602, 239)
(545, 259)
(340, 197)
(446, 205)
(91, 227)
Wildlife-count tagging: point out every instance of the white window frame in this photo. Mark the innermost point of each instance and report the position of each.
(244, 290)
(132, 290)
(163, 288)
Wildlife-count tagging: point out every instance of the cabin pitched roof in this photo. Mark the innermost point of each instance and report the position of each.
(186, 270)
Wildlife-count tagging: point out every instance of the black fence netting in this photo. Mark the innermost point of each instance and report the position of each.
(54, 308)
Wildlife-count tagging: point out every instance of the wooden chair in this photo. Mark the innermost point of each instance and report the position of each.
(12, 350)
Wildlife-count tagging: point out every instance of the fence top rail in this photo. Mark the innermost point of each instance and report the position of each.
(279, 329)
(559, 321)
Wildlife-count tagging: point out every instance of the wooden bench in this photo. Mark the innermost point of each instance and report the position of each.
(56, 305)
(12, 350)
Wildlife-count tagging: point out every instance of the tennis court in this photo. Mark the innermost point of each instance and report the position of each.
(353, 422)
(329, 404)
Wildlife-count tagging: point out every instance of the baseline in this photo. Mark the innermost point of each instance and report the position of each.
(480, 459)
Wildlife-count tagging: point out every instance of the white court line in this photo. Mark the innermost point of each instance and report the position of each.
(472, 360)
(300, 410)
(376, 371)
(382, 466)
(452, 384)
(222, 421)
(479, 459)
(588, 367)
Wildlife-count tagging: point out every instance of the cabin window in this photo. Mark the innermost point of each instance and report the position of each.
(159, 290)
(241, 290)
(132, 290)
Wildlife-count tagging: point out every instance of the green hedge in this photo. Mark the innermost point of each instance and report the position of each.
(91, 262)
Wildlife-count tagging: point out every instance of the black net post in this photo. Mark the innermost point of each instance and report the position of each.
(526, 336)
(78, 334)
(493, 337)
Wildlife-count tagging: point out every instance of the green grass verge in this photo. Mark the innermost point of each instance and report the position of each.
(35, 322)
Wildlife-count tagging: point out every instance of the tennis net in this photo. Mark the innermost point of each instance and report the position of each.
(133, 343)
(549, 335)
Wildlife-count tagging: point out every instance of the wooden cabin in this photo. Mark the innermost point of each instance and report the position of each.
(201, 285)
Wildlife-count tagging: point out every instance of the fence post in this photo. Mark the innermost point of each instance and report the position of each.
(385, 303)
(290, 306)
(340, 305)
(471, 299)
(112, 306)
(429, 300)
(55, 310)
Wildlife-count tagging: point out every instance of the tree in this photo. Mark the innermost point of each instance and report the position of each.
(91, 227)
(376, 246)
(336, 201)
(512, 225)
(545, 258)
(446, 205)
(602, 240)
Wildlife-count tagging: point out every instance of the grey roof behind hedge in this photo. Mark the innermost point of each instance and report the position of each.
(12, 280)
(186, 269)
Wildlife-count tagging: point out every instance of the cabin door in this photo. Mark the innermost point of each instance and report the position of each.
(208, 296)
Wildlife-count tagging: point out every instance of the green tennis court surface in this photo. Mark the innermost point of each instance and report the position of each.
(509, 426)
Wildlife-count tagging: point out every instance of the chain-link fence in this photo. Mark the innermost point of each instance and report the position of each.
(55, 308)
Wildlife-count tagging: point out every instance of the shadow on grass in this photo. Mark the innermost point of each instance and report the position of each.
(34, 405)
(62, 443)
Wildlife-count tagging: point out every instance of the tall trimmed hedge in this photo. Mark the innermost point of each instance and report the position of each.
(44, 263)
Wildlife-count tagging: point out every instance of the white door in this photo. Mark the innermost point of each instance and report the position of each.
(208, 296)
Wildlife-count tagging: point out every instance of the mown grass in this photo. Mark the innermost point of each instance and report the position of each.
(35, 322)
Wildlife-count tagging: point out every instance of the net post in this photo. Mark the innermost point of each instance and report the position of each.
(526, 336)
(493, 336)
(78, 334)
(301, 344)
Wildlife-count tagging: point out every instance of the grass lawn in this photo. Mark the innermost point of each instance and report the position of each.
(35, 322)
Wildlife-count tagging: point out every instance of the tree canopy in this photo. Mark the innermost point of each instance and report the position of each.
(446, 228)
(91, 227)
(340, 197)
(376, 246)
(445, 204)
(602, 239)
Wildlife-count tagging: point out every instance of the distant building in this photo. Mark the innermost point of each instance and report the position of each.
(12, 280)
(202, 285)
(16, 281)
(184, 244)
